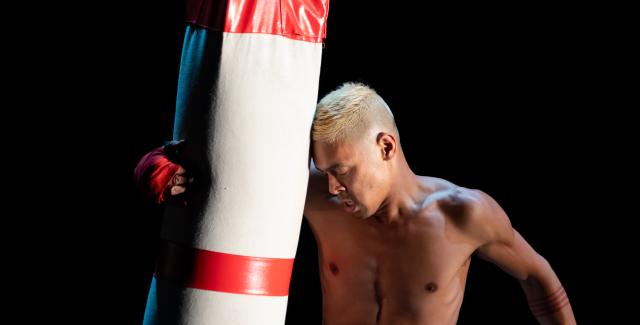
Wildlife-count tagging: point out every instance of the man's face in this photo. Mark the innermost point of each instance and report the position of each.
(356, 174)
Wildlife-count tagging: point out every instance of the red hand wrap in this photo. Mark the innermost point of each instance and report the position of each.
(153, 173)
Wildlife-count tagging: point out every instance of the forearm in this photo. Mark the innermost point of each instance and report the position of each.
(547, 298)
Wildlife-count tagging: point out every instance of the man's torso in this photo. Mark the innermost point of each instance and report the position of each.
(411, 272)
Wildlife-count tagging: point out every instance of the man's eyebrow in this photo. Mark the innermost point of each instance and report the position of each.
(336, 165)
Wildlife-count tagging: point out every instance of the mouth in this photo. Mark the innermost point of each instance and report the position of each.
(349, 206)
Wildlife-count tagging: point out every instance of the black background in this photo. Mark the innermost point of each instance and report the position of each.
(518, 101)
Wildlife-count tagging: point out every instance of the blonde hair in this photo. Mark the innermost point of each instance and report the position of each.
(349, 111)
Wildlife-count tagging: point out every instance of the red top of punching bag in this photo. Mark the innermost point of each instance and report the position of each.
(304, 20)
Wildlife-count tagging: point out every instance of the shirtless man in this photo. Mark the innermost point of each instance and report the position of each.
(395, 247)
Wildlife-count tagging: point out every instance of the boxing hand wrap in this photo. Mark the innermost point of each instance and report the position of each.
(153, 172)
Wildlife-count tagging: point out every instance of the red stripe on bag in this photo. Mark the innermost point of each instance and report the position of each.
(209, 270)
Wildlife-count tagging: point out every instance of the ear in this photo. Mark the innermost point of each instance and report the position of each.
(387, 144)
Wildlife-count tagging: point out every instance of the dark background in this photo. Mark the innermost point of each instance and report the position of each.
(518, 101)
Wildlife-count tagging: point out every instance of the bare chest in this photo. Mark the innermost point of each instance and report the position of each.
(410, 269)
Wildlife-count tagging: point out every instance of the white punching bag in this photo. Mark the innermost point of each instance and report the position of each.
(247, 91)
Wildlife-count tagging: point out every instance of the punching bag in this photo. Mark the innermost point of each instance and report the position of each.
(247, 90)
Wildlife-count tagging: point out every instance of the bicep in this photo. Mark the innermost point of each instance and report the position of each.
(515, 256)
(498, 242)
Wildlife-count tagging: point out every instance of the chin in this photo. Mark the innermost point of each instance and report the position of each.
(363, 214)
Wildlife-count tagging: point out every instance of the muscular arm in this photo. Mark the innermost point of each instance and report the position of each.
(487, 223)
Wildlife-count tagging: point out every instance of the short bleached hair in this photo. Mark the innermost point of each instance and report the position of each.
(348, 112)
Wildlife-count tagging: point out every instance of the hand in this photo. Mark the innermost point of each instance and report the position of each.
(160, 177)
(175, 192)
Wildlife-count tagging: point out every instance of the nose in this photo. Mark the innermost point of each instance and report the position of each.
(334, 185)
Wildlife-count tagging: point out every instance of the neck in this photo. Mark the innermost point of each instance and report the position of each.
(405, 197)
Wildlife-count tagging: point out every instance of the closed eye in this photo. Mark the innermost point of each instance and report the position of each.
(342, 172)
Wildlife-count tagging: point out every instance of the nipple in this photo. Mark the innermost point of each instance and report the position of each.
(334, 268)
(431, 287)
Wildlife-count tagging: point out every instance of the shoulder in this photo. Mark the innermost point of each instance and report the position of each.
(461, 202)
(475, 213)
